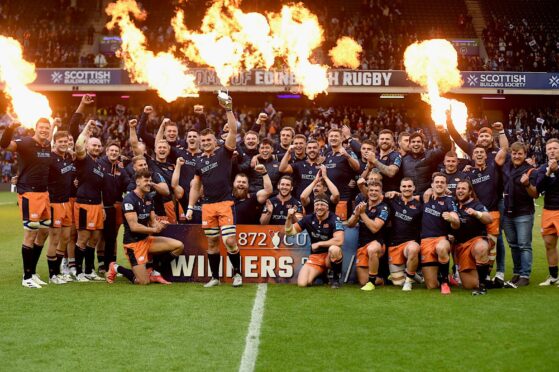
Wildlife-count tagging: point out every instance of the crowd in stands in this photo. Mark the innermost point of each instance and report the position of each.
(53, 34)
(520, 46)
(50, 32)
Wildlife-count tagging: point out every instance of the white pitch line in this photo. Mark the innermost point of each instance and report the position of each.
(248, 361)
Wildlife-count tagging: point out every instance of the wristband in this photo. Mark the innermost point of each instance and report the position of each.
(190, 208)
(264, 174)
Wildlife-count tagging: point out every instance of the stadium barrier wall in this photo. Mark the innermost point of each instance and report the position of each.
(53, 79)
(267, 254)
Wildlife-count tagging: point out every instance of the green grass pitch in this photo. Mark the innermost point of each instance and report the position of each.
(96, 326)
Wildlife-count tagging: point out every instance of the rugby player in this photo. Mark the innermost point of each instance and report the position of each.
(387, 160)
(471, 246)
(320, 185)
(60, 185)
(304, 171)
(213, 172)
(275, 210)
(451, 172)
(547, 182)
(249, 206)
(439, 214)
(34, 156)
(266, 158)
(403, 248)
(372, 215)
(114, 185)
(184, 173)
(486, 179)
(286, 138)
(341, 167)
(420, 164)
(486, 139)
(326, 232)
(140, 223)
(518, 221)
(88, 209)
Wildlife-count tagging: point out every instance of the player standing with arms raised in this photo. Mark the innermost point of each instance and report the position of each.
(213, 172)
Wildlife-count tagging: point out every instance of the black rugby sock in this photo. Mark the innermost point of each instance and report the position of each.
(482, 271)
(372, 279)
(78, 259)
(337, 269)
(101, 262)
(28, 258)
(214, 259)
(235, 259)
(443, 271)
(553, 271)
(89, 259)
(37, 249)
(59, 258)
(127, 273)
(51, 260)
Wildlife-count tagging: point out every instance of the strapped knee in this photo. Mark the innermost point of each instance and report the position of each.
(397, 274)
(31, 225)
(45, 224)
(212, 233)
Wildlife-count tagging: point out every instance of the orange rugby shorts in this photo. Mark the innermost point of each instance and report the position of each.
(61, 214)
(88, 216)
(550, 222)
(138, 253)
(463, 256)
(218, 214)
(318, 261)
(363, 255)
(428, 249)
(493, 227)
(34, 206)
(396, 254)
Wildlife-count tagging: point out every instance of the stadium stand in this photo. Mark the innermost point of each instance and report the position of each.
(522, 35)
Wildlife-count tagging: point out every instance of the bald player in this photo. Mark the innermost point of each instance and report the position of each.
(88, 209)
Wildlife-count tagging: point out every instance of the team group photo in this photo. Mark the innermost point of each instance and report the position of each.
(303, 185)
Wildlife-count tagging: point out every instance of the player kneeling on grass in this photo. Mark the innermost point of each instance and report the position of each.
(326, 232)
(371, 215)
(471, 248)
(139, 244)
(439, 215)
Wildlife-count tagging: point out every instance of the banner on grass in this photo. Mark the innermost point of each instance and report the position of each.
(267, 254)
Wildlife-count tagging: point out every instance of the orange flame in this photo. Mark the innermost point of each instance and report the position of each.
(162, 71)
(433, 64)
(346, 53)
(231, 40)
(16, 73)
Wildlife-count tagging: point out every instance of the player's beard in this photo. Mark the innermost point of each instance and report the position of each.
(240, 194)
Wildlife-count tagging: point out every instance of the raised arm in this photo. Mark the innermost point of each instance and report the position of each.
(178, 191)
(334, 192)
(81, 142)
(226, 102)
(161, 131)
(457, 137)
(264, 194)
(134, 142)
(6, 140)
(284, 166)
(141, 129)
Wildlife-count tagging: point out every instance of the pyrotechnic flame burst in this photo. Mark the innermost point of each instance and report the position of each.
(230, 40)
(16, 73)
(433, 64)
(162, 71)
(346, 53)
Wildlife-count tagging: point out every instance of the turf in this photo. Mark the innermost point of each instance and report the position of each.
(92, 326)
